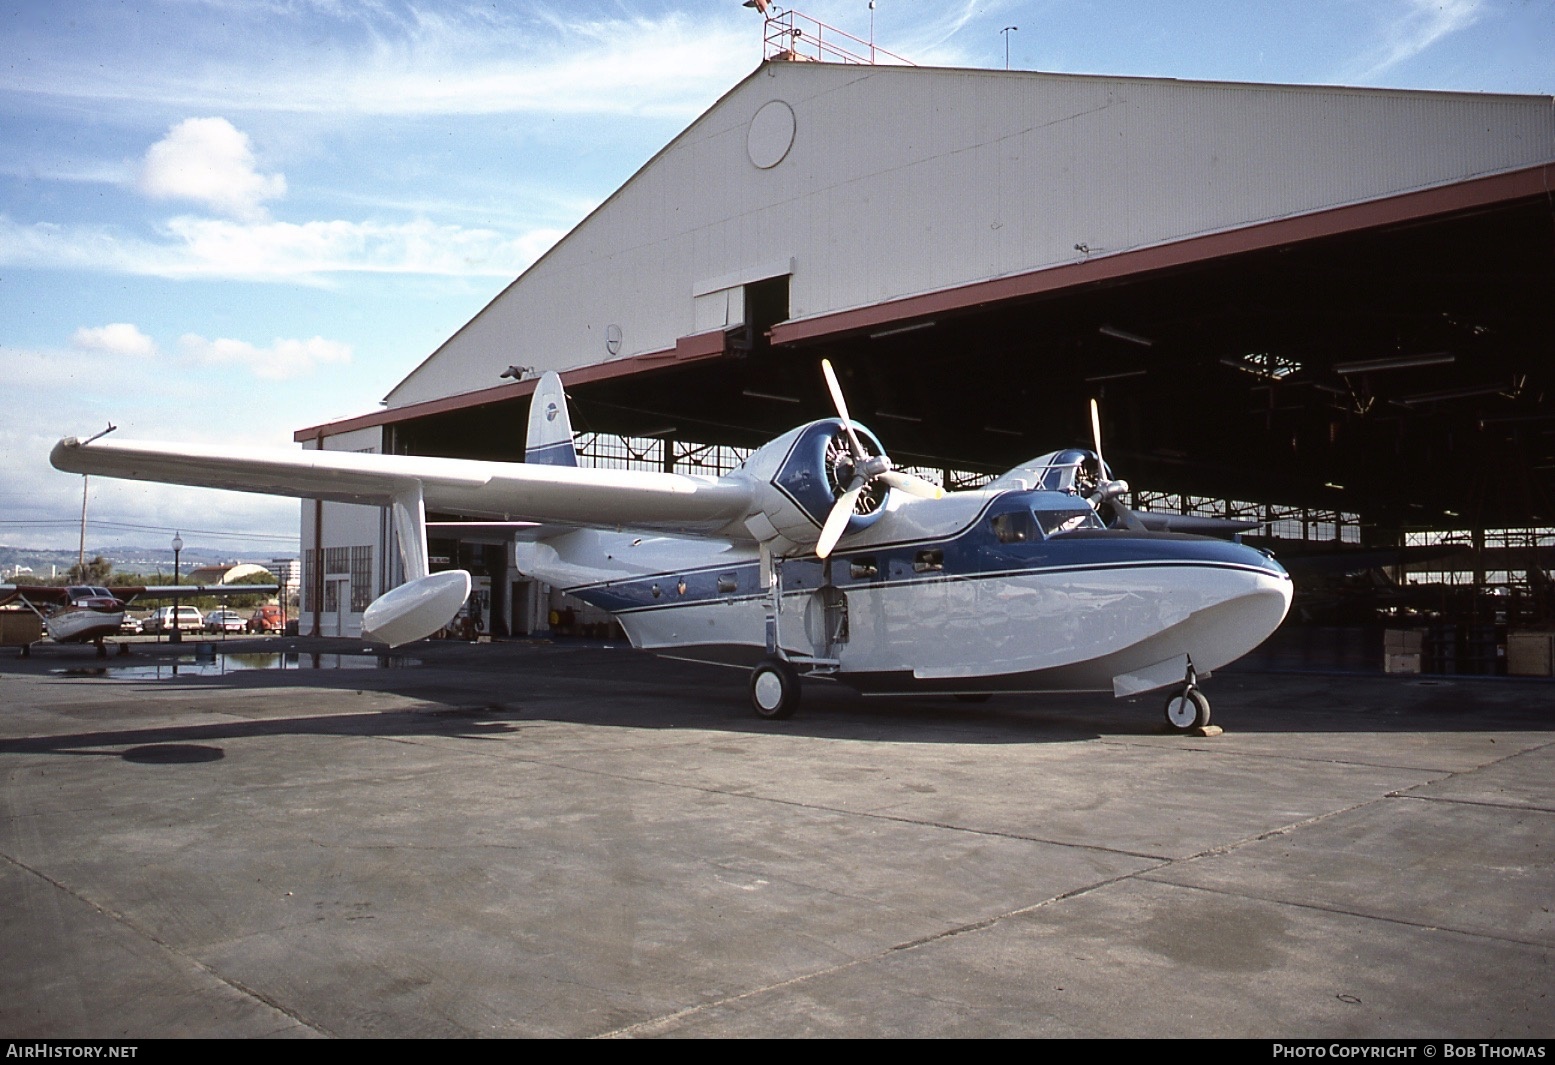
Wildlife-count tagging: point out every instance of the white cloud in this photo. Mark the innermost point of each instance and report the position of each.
(209, 161)
(275, 251)
(281, 360)
(77, 391)
(119, 338)
(374, 62)
(1415, 26)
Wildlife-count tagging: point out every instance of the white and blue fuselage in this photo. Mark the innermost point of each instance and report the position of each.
(978, 592)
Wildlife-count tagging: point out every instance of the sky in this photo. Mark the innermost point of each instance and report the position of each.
(225, 220)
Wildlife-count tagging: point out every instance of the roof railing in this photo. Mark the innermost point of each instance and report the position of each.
(792, 36)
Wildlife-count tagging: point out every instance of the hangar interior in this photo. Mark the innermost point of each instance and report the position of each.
(1327, 309)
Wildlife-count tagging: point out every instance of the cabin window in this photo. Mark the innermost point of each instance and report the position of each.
(931, 561)
(1062, 521)
(863, 569)
(1016, 527)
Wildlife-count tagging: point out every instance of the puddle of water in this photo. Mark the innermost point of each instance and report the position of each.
(222, 664)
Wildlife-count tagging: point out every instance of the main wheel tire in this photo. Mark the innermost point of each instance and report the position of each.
(774, 689)
(1187, 710)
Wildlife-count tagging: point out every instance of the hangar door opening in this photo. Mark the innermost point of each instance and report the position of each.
(766, 304)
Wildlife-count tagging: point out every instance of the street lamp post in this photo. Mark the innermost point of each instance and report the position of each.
(178, 634)
(1006, 32)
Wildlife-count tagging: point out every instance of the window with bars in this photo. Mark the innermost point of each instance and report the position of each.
(361, 578)
(354, 562)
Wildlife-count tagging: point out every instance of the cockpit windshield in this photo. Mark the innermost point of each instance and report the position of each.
(1062, 521)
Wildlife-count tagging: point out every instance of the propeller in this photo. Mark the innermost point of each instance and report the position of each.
(867, 469)
(1108, 490)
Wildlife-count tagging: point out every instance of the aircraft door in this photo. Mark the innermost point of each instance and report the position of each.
(826, 621)
(338, 595)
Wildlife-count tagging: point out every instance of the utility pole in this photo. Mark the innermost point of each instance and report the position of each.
(81, 551)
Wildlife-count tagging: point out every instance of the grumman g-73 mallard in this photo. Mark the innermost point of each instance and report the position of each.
(815, 557)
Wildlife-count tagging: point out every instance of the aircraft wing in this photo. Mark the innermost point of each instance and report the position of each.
(128, 593)
(33, 593)
(57, 593)
(505, 491)
(1197, 524)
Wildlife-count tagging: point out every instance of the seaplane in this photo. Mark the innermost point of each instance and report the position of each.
(817, 557)
(91, 613)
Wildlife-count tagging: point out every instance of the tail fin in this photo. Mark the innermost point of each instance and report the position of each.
(549, 442)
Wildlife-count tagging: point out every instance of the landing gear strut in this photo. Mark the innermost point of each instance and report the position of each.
(1187, 708)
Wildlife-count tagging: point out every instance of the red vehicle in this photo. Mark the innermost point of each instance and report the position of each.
(266, 619)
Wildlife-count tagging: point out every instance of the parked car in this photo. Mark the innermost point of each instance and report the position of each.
(224, 621)
(161, 620)
(130, 626)
(266, 619)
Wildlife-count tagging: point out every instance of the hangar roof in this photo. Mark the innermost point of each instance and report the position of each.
(970, 244)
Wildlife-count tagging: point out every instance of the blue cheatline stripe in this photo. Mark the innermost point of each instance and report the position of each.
(635, 596)
(561, 453)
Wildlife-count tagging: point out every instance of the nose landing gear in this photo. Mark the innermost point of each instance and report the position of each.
(1187, 708)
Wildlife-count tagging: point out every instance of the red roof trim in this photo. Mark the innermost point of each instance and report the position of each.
(687, 349)
(1478, 192)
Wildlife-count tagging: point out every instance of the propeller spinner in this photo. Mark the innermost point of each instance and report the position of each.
(867, 470)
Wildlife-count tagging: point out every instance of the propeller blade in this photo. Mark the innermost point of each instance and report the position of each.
(913, 486)
(842, 410)
(1108, 490)
(837, 520)
(1101, 467)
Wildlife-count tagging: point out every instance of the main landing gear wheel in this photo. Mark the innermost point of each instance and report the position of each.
(1187, 710)
(774, 689)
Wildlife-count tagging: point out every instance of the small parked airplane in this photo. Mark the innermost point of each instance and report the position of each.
(91, 613)
(815, 557)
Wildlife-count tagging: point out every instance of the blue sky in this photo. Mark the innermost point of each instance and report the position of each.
(223, 220)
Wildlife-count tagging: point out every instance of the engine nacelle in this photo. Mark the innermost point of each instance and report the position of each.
(797, 479)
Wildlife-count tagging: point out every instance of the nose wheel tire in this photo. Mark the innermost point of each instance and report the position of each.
(1187, 710)
(774, 689)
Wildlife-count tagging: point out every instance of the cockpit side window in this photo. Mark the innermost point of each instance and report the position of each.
(1016, 527)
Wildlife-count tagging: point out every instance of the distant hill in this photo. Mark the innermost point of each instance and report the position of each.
(137, 559)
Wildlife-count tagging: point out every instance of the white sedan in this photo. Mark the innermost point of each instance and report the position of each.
(225, 621)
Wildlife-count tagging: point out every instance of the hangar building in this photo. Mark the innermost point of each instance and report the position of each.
(1326, 307)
